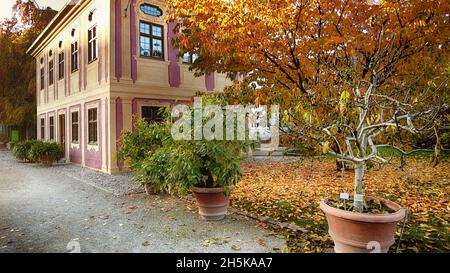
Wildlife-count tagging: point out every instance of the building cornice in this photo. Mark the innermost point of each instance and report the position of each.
(70, 10)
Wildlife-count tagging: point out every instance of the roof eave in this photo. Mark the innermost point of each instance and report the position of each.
(53, 23)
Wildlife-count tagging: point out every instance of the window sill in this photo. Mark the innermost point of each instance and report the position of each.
(74, 71)
(152, 58)
(93, 143)
(92, 61)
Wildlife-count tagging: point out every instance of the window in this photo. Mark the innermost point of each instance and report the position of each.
(50, 72)
(75, 127)
(92, 44)
(52, 128)
(152, 114)
(61, 66)
(74, 56)
(151, 40)
(92, 126)
(90, 16)
(42, 78)
(151, 10)
(42, 128)
(189, 58)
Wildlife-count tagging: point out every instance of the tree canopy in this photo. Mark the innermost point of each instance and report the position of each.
(17, 69)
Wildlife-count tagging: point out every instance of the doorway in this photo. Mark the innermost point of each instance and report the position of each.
(62, 131)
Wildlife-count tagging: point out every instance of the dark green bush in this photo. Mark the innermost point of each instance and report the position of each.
(21, 150)
(141, 143)
(45, 152)
(175, 166)
(178, 165)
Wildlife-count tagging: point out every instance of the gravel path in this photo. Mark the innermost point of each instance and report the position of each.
(67, 208)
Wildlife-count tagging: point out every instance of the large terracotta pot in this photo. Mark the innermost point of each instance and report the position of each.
(362, 232)
(212, 203)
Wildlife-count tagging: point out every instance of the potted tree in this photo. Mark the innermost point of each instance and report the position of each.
(207, 168)
(350, 75)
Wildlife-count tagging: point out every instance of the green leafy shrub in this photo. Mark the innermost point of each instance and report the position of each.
(141, 143)
(46, 152)
(178, 165)
(22, 149)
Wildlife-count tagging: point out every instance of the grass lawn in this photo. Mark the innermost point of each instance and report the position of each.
(291, 192)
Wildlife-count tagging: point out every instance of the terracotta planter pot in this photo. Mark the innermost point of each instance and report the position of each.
(362, 232)
(47, 161)
(212, 203)
(149, 189)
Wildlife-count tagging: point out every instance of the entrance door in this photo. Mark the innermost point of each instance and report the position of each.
(62, 131)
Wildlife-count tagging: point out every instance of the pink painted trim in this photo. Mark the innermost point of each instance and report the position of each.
(119, 128)
(99, 64)
(118, 39)
(93, 159)
(80, 71)
(46, 78)
(162, 102)
(68, 74)
(55, 76)
(174, 66)
(209, 81)
(75, 155)
(85, 62)
(133, 46)
(106, 58)
(107, 133)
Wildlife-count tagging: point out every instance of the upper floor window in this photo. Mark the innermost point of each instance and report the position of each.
(151, 40)
(74, 56)
(51, 70)
(151, 10)
(189, 58)
(61, 65)
(92, 44)
(92, 126)
(42, 79)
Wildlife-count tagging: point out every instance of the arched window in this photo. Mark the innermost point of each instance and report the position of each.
(151, 10)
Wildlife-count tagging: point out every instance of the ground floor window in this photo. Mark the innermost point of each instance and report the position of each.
(92, 126)
(52, 128)
(152, 114)
(75, 127)
(42, 128)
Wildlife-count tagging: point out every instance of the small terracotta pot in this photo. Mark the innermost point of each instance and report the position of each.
(47, 161)
(362, 232)
(212, 203)
(149, 189)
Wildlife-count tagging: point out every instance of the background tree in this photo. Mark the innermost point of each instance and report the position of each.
(349, 74)
(17, 71)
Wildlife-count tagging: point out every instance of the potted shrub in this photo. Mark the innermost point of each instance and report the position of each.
(22, 150)
(46, 152)
(207, 168)
(135, 146)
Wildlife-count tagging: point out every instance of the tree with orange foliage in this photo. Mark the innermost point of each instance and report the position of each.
(347, 73)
